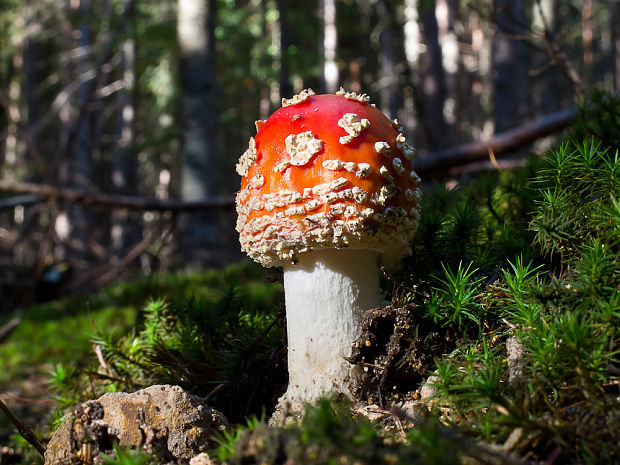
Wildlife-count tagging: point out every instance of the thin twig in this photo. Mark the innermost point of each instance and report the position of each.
(22, 429)
(130, 257)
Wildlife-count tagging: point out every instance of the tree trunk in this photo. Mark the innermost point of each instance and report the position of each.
(30, 89)
(587, 36)
(434, 85)
(445, 14)
(329, 46)
(12, 145)
(509, 65)
(83, 132)
(199, 171)
(614, 17)
(125, 171)
(286, 89)
(389, 103)
(411, 32)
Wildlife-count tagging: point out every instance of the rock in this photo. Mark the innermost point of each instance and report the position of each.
(168, 422)
(372, 412)
(515, 358)
(428, 389)
(201, 459)
(415, 409)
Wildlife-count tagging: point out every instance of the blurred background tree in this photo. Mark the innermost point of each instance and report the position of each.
(153, 102)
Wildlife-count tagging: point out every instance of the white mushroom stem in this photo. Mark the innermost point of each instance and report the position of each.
(326, 293)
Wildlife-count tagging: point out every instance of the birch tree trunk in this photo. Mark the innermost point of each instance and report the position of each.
(587, 36)
(329, 45)
(199, 173)
(12, 145)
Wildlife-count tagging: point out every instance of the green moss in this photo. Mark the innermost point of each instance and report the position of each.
(48, 335)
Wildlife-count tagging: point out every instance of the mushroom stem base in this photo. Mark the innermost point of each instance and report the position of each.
(326, 293)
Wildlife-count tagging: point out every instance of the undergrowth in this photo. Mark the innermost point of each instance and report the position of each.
(224, 346)
(522, 267)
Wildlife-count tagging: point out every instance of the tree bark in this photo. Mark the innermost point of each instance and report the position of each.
(389, 103)
(329, 45)
(286, 89)
(445, 12)
(82, 151)
(125, 172)
(199, 171)
(587, 36)
(30, 88)
(411, 32)
(509, 65)
(614, 18)
(434, 86)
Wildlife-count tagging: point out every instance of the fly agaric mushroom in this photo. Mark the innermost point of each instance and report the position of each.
(328, 192)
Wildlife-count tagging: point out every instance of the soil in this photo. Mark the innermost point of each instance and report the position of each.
(396, 348)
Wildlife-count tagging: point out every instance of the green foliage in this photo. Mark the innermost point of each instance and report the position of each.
(454, 302)
(600, 118)
(545, 367)
(579, 185)
(221, 346)
(482, 224)
(28, 453)
(228, 438)
(328, 434)
(128, 456)
(524, 266)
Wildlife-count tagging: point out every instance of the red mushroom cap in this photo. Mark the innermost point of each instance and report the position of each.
(327, 171)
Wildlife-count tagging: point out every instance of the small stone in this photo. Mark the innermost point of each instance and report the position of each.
(372, 412)
(428, 389)
(201, 459)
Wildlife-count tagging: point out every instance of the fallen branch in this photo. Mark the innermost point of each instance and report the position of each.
(23, 200)
(111, 201)
(507, 141)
